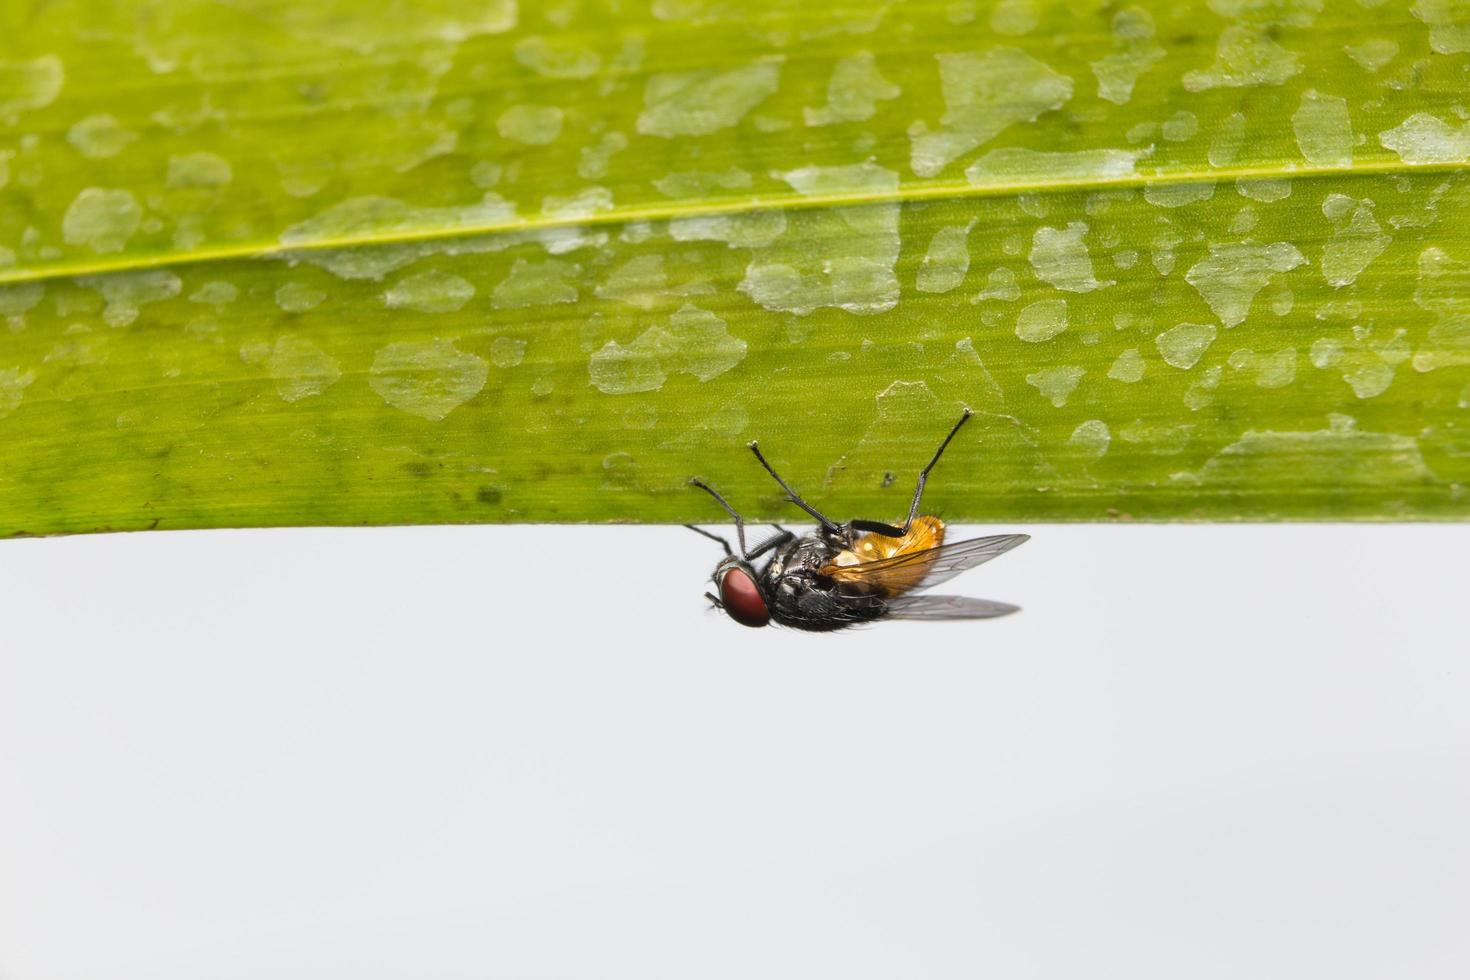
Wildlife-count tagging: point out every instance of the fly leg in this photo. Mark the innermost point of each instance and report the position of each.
(695, 481)
(713, 537)
(888, 530)
(792, 496)
(774, 541)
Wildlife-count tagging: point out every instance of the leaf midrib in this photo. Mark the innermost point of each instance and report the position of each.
(788, 201)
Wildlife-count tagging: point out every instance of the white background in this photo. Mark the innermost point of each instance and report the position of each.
(532, 752)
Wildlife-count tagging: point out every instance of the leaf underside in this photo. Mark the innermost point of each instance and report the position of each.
(274, 263)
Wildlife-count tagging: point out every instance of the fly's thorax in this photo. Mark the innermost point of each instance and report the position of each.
(814, 551)
(802, 598)
(796, 557)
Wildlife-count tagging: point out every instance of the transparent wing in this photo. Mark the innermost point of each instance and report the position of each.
(939, 564)
(946, 607)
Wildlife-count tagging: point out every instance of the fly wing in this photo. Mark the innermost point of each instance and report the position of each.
(939, 564)
(946, 607)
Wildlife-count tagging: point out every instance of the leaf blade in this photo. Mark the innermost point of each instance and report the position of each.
(634, 309)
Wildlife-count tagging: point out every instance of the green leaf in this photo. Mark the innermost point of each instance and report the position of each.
(277, 263)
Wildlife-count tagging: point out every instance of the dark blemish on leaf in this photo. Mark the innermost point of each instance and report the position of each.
(888, 479)
(619, 470)
(489, 495)
(772, 503)
(418, 468)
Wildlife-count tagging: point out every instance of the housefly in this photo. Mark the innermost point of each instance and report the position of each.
(842, 574)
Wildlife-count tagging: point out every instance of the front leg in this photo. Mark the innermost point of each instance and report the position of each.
(792, 495)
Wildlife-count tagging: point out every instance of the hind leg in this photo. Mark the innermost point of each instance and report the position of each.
(878, 527)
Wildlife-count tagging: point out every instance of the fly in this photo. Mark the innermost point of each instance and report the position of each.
(842, 574)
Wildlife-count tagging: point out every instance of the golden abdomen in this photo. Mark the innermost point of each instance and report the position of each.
(891, 577)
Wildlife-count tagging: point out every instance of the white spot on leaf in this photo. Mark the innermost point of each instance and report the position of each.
(215, 293)
(1245, 56)
(1373, 53)
(429, 379)
(127, 292)
(507, 352)
(706, 100)
(1092, 438)
(429, 292)
(985, 94)
(840, 256)
(198, 170)
(1184, 345)
(13, 384)
(695, 342)
(1178, 195)
(101, 219)
(1275, 370)
(1231, 276)
(1014, 16)
(295, 297)
(1056, 384)
(853, 93)
(18, 298)
(1449, 28)
(1266, 190)
(300, 368)
(32, 84)
(1042, 320)
(1444, 285)
(947, 260)
(99, 137)
(1350, 460)
(639, 282)
(1324, 130)
(1354, 244)
(557, 57)
(533, 125)
(703, 183)
(1001, 284)
(1225, 144)
(537, 283)
(1059, 256)
(1423, 139)
(1180, 127)
(1017, 164)
(1117, 73)
(750, 229)
(594, 159)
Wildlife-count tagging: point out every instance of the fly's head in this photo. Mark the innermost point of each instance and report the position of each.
(740, 595)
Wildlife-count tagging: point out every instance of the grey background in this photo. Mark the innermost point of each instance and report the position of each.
(531, 752)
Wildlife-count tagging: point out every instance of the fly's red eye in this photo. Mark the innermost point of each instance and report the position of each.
(742, 600)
